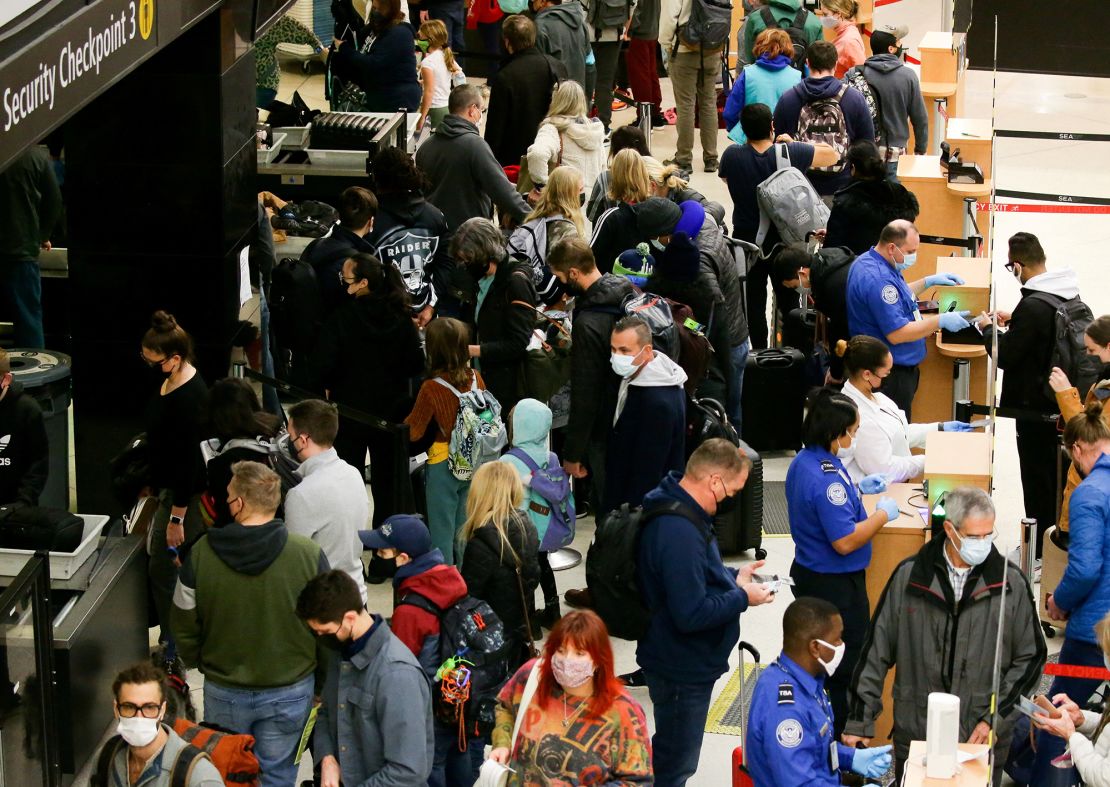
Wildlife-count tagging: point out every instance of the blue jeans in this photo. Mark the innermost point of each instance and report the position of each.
(21, 300)
(270, 401)
(892, 176)
(680, 712)
(264, 96)
(1049, 747)
(275, 717)
(739, 361)
(453, 16)
(451, 767)
(446, 497)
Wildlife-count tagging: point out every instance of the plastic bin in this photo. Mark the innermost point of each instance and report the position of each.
(63, 565)
(45, 375)
(267, 155)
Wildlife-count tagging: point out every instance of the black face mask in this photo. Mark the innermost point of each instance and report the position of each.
(728, 505)
(478, 270)
(581, 199)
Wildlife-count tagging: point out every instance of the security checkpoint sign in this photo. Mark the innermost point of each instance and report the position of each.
(46, 82)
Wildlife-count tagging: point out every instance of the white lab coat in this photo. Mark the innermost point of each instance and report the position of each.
(884, 439)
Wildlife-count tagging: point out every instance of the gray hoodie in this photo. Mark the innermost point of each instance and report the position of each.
(901, 100)
(561, 33)
(466, 179)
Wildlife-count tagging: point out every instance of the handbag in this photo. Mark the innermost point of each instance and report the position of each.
(493, 773)
(546, 368)
(35, 528)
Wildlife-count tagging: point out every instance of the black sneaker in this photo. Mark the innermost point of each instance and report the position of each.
(634, 679)
(711, 165)
(658, 121)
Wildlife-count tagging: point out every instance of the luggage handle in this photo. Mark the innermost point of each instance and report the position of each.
(741, 647)
(773, 358)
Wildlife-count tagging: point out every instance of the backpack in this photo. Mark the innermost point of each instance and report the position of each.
(130, 470)
(479, 433)
(823, 121)
(611, 563)
(529, 243)
(231, 753)
(552, 484)
(708, 26)
(608, 15)
(275, 453)
(796, 30)
(706, 420)
(856, 78)
(788, 199)
(296, 309)
(307, 219)
(180, 773)
(1068, 350)
(474, 657)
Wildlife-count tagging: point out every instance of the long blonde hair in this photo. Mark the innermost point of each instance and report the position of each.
(496, 493)
(436, 33)
(628, 179)
(568, 104)
(560, 198)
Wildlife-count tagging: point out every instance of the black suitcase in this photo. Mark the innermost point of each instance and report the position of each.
(773, 399)
(742, 529)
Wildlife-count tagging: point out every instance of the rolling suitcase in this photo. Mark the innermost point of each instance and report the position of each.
(740, 775)
(773, 398)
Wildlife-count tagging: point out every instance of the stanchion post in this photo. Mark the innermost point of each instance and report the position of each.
(1029, 546)
(971, 227)
(644, 109)
(961, 384)
(939, 125)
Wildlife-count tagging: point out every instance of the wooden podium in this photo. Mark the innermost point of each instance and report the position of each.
(955, 459)
(897, 541)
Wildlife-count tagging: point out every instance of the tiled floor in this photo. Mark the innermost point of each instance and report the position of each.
(1022, 102)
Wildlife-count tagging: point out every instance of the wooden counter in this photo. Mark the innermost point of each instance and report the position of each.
(972, 773)
(974, 139)
(955, 459)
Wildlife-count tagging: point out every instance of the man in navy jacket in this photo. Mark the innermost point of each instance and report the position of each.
(820, 84)
(648, 438)
(695, 601)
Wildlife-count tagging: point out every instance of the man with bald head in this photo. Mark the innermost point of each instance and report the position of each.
(883, 304)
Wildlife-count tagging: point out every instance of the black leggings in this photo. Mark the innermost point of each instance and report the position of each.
(547, 581)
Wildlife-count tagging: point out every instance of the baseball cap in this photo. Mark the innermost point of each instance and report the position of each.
(898, 31)
(404, 532)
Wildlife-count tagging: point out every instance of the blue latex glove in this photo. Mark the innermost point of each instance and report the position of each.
(954, 321)
(943, 280)
(891, 508)
(955, 426)
(873, 484)
(871, 763)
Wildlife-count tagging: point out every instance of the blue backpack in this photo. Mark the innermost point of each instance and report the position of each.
(553, 485)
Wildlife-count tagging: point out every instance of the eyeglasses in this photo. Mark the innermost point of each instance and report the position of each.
(344, 280)
(152, 364)
(988, 537)
(150, 710)
(1010, 265)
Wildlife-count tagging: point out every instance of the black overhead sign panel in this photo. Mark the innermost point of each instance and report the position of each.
(48, 81)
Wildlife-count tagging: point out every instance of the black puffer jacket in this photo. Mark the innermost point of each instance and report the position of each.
(862, 208)
(505, 329)
(717, 259)
(489, 569)
(593, 387)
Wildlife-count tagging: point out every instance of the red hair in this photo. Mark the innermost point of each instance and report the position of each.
(586, 632)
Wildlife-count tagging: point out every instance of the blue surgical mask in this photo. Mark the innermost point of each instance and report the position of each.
(974, 551)
(907, 261)
(623, 364)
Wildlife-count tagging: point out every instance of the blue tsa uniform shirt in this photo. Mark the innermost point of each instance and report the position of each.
(823, 506)
(790, 734)
(879, 303)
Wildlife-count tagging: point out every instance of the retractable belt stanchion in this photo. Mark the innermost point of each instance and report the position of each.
(971, 228)
(938, 124)
(961, 383)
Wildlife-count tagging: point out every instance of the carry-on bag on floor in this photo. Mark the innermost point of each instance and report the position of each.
(773, 399)
(742, 528)
(740, 775)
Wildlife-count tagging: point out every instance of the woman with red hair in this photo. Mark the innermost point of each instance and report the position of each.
(580, 726)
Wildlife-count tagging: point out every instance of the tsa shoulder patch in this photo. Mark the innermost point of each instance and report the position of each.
(827, 466)
(837, 494)
(786, 694)
(789, 733)
(890, 294)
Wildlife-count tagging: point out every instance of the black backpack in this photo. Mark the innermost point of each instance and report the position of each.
(130, 470)
(708, 25)
(857, 79)
(608, 14)
(796, 31)
(307, 219)
(470, 631)
(296, 310)
(1068, 350)
(611, 567)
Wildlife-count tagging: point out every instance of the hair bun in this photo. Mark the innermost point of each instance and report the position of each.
(163, 322)
(1093, 411)
(841, 348)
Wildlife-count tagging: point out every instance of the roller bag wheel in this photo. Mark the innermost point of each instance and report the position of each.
(773, 399)
(740, 775)
(742, 528)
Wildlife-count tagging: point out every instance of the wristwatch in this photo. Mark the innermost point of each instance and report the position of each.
(176, 520)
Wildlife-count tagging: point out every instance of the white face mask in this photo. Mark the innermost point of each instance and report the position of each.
(624, 365)
(845, 454)
(838, 656)
(138, 731)
(829, 21)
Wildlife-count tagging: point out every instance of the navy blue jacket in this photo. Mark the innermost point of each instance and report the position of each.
(692, 595)
(326, 255)
(647, 442)
(385, 70)
(1084, 590)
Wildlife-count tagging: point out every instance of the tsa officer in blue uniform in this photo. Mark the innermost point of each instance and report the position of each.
(790, 727)
(831, 530)
(882, 304)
